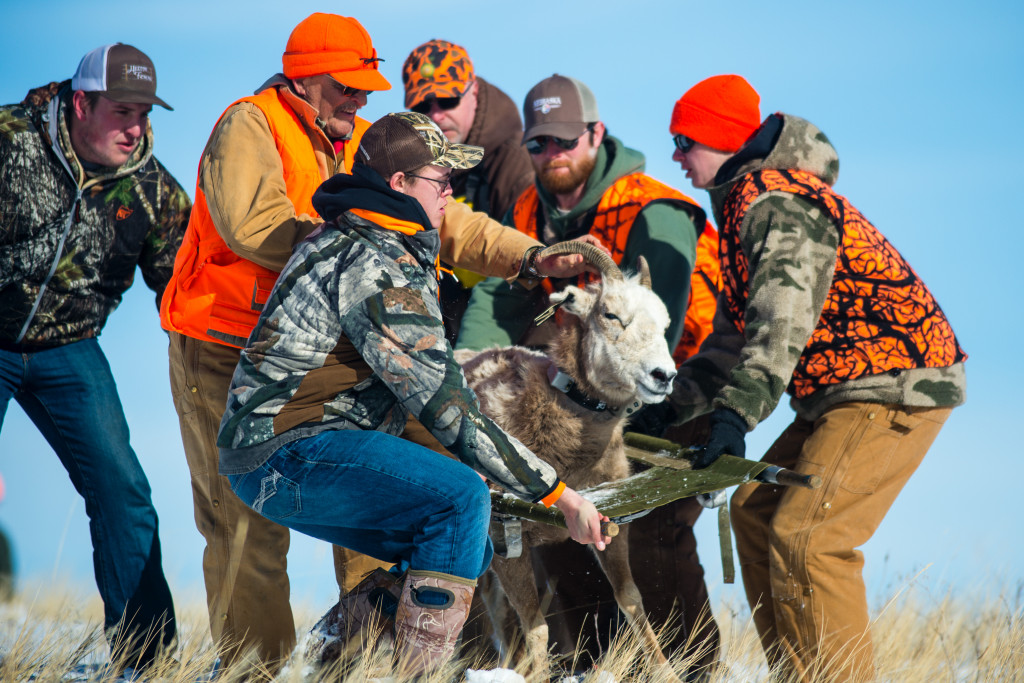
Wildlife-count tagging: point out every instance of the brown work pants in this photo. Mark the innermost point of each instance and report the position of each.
(798, 547)
(245, 560)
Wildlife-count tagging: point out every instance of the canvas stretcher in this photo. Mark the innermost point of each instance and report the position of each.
(668, 477)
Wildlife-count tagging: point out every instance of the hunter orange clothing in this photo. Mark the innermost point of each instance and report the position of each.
(615, 214)
(216, 292)
(878, 317)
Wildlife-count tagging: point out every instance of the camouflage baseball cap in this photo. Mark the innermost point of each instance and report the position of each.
(436, 69)
(405, 141)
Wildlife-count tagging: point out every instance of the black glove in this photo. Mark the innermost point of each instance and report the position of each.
(652, 419)
(728, 430)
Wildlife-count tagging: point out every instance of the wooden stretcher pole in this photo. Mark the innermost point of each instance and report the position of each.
(514, 507)
(783, 477)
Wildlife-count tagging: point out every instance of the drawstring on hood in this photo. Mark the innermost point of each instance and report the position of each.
(365, 192)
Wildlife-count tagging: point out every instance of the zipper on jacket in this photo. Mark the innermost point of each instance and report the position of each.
(73, 217)
(53, 114)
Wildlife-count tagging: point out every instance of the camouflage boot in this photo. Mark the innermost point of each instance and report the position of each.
(426, 633)
(363, 616)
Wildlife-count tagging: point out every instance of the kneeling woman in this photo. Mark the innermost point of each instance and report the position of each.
(349, 345)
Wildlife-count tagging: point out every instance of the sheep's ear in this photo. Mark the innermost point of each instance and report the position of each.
(645, 272)
(575, 300)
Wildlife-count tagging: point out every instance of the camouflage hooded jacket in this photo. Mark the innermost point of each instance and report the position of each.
(70, 240)
(794, 322)
(351, 338)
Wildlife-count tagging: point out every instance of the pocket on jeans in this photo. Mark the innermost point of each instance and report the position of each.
(276, 496)
(872, 456)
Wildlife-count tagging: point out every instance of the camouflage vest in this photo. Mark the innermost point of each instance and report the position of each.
(878, 317)
(616, 212)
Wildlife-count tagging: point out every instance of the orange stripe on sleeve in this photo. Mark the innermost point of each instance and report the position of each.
(553, 497)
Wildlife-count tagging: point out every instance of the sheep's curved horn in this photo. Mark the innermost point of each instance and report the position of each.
(645, 272)
(594, 256)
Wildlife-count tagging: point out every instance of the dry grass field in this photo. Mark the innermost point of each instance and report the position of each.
(52, 633)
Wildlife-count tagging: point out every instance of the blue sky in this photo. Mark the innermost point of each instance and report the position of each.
(922, 101)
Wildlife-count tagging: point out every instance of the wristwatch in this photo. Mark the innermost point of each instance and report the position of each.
(529, 268)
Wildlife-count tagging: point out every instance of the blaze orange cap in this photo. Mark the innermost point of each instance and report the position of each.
(334, 45)
(436, 68)
(721, 112)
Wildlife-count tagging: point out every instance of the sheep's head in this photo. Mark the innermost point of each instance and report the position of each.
(622, 345)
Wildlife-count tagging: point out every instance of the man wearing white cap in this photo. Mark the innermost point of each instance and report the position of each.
(83, 201)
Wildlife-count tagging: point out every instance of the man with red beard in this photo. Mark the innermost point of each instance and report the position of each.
(589, 182)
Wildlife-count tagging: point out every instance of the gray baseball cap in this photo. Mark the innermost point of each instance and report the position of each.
(121, 72)
(559, 106)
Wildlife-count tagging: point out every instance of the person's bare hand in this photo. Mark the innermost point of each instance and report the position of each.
(582, 519)
(569, 265)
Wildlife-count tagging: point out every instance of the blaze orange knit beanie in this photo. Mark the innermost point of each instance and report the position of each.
(334, 45)
(721, 112)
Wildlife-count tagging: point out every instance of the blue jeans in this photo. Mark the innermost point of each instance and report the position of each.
(379, 495)
(69, 394)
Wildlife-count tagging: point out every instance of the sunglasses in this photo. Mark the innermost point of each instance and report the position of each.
(346, 90)
(443, 103)
(683, 143)
(538, 144)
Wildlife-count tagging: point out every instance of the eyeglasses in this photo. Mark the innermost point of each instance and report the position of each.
(443, 103)
(538, 144)
(683, 143)
(444, 183)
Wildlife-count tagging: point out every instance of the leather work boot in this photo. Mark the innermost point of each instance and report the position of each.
(426, 633)
(363, 616)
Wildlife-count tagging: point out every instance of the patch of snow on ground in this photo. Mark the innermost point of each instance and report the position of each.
(493, 676)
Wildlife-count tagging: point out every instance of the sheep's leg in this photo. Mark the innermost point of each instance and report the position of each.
(516, 577)
(505, 627)
(615, 563)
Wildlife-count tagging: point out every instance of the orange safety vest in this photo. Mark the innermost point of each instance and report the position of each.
(878, 317)
(616, 212)
(214, 294)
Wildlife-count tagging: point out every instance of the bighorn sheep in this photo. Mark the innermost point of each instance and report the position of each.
(611, 351)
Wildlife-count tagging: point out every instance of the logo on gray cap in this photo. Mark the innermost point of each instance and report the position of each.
(545, 104)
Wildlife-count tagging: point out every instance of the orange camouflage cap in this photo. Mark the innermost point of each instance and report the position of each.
(436, 69)
(334, 45)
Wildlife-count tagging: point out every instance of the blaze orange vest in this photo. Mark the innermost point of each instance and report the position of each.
(214, 294)
(878, 317)
(616, 212)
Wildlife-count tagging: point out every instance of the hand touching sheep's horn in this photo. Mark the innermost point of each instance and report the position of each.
(567, 259)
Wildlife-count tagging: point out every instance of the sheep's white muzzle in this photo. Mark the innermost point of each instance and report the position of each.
(654, 386)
